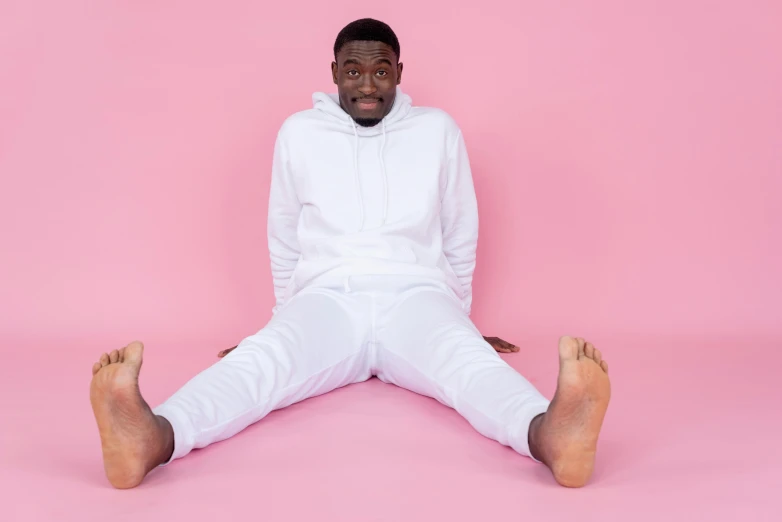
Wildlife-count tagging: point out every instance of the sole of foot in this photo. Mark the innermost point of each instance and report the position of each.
(568, 432)
(130, 434)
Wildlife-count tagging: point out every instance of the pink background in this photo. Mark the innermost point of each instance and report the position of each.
(628, 163)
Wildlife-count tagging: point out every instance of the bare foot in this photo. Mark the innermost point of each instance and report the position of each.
(134, 440)
(565, 437)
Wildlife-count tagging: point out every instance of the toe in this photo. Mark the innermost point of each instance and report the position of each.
(96, 367)
(604, 366)
(598, 357)
(122, 355)
(568, 348)
(589, 350)
(114, 356)
(581, 346)
(134, 353)
(104, 359)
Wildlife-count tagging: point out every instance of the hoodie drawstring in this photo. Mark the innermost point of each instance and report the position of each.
(357, 177)
(383, 171)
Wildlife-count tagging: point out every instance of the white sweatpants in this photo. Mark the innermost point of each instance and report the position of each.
(411, 335)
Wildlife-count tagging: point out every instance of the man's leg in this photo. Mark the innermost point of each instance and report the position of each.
(313, 345)
(428, 345)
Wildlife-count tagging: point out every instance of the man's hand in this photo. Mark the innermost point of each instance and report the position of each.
(495, 342)
(500, 345)
(225, 352)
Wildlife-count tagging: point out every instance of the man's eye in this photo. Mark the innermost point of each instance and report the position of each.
(382, 73)
(353, 72)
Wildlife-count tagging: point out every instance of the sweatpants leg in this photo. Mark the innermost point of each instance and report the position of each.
(428, 345)
(316, 343)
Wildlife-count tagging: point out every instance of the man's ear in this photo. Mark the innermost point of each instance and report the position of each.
(399, 67)
(334, 72)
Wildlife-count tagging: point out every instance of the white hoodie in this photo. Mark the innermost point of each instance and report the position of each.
(393, 199)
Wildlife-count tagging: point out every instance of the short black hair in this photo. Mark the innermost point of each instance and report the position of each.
(367, 30)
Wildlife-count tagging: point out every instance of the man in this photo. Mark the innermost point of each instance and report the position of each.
(372, 230)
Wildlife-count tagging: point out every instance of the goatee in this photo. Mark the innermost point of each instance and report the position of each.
(367, 122)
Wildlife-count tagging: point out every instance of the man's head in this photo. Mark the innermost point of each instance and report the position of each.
(366, 70)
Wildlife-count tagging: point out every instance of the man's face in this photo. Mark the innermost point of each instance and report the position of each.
(366, 74)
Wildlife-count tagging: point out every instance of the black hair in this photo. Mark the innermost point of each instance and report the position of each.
(369, 30)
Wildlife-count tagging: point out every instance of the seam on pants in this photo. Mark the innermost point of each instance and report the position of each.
(280, 392)
(402, 299)
(514, 440)
(457, 396)
(447, 388)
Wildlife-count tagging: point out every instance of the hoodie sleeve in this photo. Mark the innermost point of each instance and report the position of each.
(284, 211)
(459, 217)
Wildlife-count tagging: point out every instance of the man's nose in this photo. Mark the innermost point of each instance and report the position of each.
(367, 86)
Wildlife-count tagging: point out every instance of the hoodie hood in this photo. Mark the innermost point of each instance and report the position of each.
(328, 103)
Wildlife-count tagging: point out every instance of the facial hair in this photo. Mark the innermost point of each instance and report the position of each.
(367, 122)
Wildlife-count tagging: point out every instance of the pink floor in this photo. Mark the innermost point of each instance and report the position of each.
(693, 433)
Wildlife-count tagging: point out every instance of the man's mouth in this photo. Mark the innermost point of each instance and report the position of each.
(367, 104)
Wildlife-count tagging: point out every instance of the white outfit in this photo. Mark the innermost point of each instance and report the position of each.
(394, 199)
(372, 235)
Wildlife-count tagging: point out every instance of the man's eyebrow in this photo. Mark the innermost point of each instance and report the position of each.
(353, 61)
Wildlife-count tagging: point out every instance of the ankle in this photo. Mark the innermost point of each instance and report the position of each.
(166, 438)
(534, 437)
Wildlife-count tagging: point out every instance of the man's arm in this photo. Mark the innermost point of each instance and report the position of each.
(283, 221)
(459, 217)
